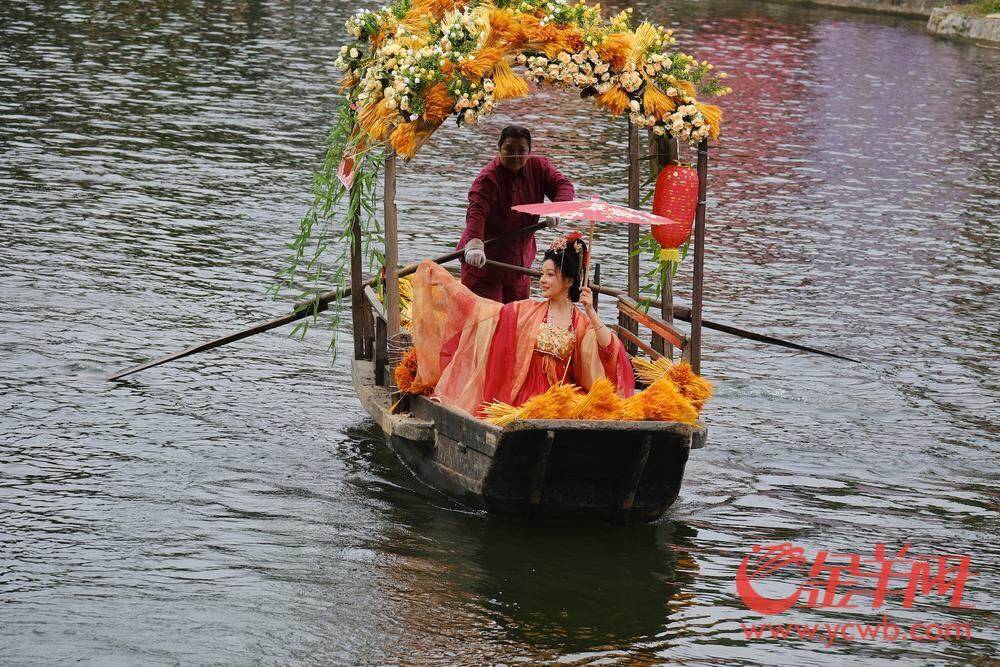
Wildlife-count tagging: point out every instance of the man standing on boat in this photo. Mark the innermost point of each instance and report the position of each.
(514, 177)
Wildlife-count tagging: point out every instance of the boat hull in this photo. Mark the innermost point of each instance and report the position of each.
(584, 470)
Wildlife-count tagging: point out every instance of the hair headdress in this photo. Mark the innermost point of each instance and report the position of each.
(574, 243)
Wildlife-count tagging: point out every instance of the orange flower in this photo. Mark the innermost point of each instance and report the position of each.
(615, 49)
(374, 119)
(438, 104)
(614, 99)
(505, 30)
(435, 8)
(482, 61)
(349, 82)
(405, 374)
(549, 38)
(404, 139)
(558, 402)
(685, 87)
(574, 39)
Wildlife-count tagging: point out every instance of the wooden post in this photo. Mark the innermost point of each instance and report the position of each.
(391, 246)
(699, 257)
(357, 280)
(634, 176)
(663, 151)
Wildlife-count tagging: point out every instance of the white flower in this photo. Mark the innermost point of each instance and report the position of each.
(354, 53)
(390, 103)
(634, 105)
(658, 130)
(469, 117)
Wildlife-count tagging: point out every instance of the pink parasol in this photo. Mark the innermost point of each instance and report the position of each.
(594, 210)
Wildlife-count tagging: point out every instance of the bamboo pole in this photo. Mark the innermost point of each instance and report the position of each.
(391, 246)
(683, 313)
(634, 178)
(304, 309)
(699, 257)
(357, 289)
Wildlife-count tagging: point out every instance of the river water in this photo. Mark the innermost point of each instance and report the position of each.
(240, 507)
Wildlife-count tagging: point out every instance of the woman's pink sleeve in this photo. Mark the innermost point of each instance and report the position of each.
(617, 366)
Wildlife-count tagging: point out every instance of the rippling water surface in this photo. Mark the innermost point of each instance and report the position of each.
(239, 506)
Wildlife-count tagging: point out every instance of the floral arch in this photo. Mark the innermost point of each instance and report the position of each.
(415, 63)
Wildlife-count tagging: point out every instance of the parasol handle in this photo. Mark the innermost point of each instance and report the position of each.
(590, 251)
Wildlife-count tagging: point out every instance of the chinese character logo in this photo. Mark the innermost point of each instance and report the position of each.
(833, 579)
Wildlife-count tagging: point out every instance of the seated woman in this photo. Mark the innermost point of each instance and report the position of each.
(474, 350)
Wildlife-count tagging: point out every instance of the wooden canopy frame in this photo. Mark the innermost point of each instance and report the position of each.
(374, 324)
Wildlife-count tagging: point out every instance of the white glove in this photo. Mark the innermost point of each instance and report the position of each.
(475, 255)
(552, 222)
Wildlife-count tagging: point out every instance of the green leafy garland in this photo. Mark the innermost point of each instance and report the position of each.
(327, 224)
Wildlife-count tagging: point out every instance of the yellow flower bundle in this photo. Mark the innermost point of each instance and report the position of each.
(507, 84)
(601, 402)
(693, 387)
(481, 62)
(674, 394)
(661, 401)
(558, 402)
(505, 30)
(657, 102)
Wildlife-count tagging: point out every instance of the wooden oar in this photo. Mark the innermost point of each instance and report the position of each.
(683, 313)
(304, 309)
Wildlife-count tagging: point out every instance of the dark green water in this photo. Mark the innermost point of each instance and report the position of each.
(239, 506)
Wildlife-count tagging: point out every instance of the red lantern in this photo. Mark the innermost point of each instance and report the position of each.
(675, 197)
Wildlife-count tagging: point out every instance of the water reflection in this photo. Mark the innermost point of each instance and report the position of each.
(560, 588)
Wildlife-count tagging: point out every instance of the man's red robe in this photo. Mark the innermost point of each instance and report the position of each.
(494, 191)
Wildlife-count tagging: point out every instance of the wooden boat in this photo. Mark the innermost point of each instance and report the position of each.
(617, 471)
